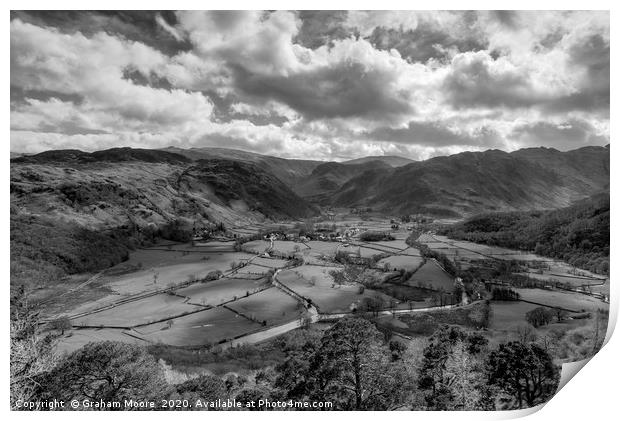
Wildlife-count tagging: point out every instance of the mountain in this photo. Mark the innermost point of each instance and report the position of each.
(391, 160)
(289, 171)
(65, 156)
(578, 234)
(122, 186)
(328, 177)
(473, 182)
(74, 212)
(457, 185)
(244, 186)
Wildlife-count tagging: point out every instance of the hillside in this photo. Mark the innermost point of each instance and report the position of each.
(289, 171)
(391, 160)
(328, 177)
(474, 182)
(244, 187)
(578, 234)
(73, 211)
(73, 156)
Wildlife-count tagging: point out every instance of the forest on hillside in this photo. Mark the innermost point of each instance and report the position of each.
(578, 234)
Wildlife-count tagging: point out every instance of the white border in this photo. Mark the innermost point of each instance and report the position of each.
(591, 395)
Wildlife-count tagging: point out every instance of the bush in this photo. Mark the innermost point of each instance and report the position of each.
(108, 371)
(376, 236)
(540, 316)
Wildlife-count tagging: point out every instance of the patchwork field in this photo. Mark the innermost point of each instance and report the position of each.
(209, 326)
(159, 269)
(567, 300)
(220, 291)
(507, 314)
(408, 263)
(366, 252)
(244, 301)
(315, 283)
(430, 274)
(271, 263)
(146, 310)
(80, 337)
(565, 279)
(469, 250)
(271, 305)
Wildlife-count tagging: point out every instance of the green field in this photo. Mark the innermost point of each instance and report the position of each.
(77, 338)
(409, 263)
(159, 275)
(220, 291)
(431, 275)
(272, 306)
(567, 300)
(507, 314)
(205, 327)
(145, 310)
(315, 283)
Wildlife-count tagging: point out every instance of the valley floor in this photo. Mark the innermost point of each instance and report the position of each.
(158, 296)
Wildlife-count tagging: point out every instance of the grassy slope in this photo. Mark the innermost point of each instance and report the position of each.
(578, 234)
(472, 182)
(75, 212)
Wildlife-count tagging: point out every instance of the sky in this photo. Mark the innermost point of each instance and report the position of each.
(327, 85)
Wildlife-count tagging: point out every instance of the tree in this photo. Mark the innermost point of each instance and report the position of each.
(205, 387)
(560, 314)
(373, 304)
(449, 365)
(353, 368)
(466, 381)
(525, 333)
(540, 316)
(397, 349)
(31, 354)
(294, 374)
(62, 324)
(108, 371)
(525, 372)
(350, 274)
(249, 398)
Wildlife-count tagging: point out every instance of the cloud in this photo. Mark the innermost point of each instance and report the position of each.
(479, 80)
(321, 84)
(433, 133)
(68, 66)
(322, 27)
(341, 90)
(565, 136)
(250, 39)
(424, 42)
(168, 28)
(141, 26)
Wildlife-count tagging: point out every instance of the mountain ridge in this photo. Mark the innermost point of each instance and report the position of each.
(455, 185)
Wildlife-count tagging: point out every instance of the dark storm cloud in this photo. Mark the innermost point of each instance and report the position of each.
(322, 27)
(345, 90)
(433, 134)
(472, 83)
(426, 41)
(140, 26)
(19, 96)
(571, 134)
(509, 18)
(152, 79)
